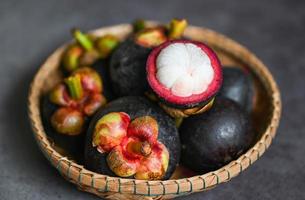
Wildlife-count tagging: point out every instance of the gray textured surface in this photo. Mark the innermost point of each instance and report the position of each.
(30, 30)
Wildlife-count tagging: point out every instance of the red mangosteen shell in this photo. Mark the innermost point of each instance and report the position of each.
(194, 100)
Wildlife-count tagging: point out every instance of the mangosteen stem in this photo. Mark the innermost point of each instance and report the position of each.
(176, 28)
(83, 39)
(141, 148)
(75, 86)
(138, 25)
(106, 44)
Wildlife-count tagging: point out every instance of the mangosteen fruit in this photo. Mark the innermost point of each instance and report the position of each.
(127, 64)
(68, 107)
(184, 74)
(238, 86)
(214, 138)
(132, 137)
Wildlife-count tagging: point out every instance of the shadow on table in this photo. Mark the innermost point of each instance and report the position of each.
(24, 154)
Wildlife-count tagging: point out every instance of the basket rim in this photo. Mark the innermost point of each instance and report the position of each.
(102, 183)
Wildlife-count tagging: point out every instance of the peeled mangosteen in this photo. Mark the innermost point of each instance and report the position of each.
(238, 86)
(68, 107)
(214, 138)
(129, 136)
(184, 74)
(127, 64)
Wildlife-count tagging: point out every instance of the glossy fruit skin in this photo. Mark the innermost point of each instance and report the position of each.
(127, 68)
(102, 68)
(73, 145)
(238, 86)
(134, 106)
(212, 139)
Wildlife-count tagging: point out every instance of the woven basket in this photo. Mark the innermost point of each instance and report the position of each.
(266, 115)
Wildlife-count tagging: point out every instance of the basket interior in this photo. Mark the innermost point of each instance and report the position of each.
(261, 114)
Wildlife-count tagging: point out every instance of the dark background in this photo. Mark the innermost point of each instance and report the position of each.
(31, 30)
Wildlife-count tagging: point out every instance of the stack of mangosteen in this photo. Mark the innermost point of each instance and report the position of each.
(140, 107)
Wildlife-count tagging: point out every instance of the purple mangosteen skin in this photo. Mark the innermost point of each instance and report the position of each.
(127, 68)
(214, 138)
(238, 86)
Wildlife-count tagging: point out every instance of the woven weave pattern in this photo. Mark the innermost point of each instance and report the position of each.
(118, 188)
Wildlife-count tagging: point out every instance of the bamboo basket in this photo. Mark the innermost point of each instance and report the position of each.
(266, 115)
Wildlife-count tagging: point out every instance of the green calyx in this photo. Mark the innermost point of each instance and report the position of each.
(176, 28)
(83, 39)
(138, 25)
(106, 44)
(75, 86)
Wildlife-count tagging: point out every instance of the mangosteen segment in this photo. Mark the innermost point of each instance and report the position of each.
(136, 153)
(184, 72)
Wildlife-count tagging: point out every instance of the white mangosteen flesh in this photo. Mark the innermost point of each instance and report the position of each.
(185, 69)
